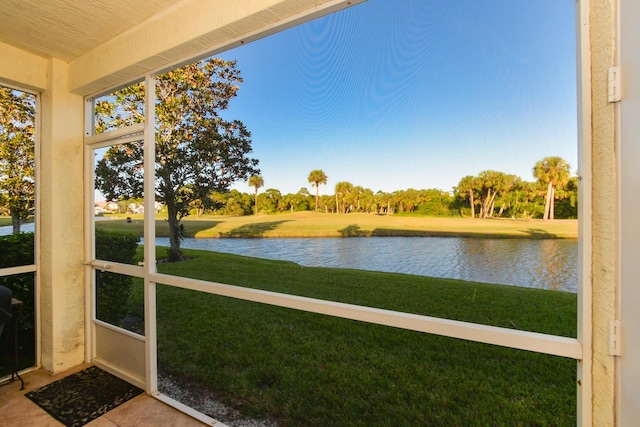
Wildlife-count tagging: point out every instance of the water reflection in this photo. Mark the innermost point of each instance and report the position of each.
(536, 263)
(546, 264)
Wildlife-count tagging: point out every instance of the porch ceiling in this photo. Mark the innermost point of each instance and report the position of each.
(109, 43)
(67, 29)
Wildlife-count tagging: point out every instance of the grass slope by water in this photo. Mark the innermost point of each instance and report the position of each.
(306, 369)
(314, 224)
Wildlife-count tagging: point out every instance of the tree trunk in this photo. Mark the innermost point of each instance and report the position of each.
(547, 202)
(255, 208)
(492, 204)
(337, 206)
(473, 204)
(485, 205)
(16, 222)
(552, 203)
(317, 197)
(175, 254)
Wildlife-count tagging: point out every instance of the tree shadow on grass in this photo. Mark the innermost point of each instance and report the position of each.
(253, 230)
(530, 233)
(353, 230)
(193, 227)
(539, 233)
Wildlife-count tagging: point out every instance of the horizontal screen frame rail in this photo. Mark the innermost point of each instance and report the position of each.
(511, 338)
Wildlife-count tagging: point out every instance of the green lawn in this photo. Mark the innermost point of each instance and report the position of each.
(307, 369)
(313, 224)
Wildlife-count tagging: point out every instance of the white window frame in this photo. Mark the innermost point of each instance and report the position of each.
(32, 268)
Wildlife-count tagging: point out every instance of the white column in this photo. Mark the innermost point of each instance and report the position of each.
(60, 193)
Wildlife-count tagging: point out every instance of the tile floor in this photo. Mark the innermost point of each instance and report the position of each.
(141, 411)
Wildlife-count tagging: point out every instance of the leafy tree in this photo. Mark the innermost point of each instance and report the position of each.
(435, 202)
(232, 203)
(302, 200)
(197, 151)
(256, 181)
(317, 177)
(286, 203)
(271, 201)
(555, 173)
(522, 201)
(356, 193)
(508, 184)
(367, 199)
(328, 202)
(466, 190)
(343, 189)
(383, 202)
(17, 155)
(411, 199)
(567, 200)
(489, 185)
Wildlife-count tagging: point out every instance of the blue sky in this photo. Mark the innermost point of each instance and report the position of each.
(393, 94)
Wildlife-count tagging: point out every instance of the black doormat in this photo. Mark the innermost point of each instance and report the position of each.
(84, 396)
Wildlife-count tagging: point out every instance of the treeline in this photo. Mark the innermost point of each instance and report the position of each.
(490, 194)
(351, 200)
(525, 200)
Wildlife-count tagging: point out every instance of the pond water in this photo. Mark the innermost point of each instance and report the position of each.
(8, 229)
(546, 264)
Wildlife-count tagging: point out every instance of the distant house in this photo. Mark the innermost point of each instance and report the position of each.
(111, 207)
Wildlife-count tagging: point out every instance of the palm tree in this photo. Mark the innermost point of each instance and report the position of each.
(555, 173)
(317, 177)
(466, 188)
(383, 202)
(343, 188)
(256, 182)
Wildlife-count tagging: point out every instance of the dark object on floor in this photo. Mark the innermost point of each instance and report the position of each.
(5, 307)
(10, 310)
(84, 396)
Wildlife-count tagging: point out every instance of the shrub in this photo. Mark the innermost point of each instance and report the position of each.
(113, 290)
(17, 250)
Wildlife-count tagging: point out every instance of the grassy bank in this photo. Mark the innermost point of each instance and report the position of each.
(307, 369)
(313, 224)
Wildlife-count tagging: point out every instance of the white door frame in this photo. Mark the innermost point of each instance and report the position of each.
(628, 135)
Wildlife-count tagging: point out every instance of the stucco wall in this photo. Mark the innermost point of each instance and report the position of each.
(60, 230)
(19, 68)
